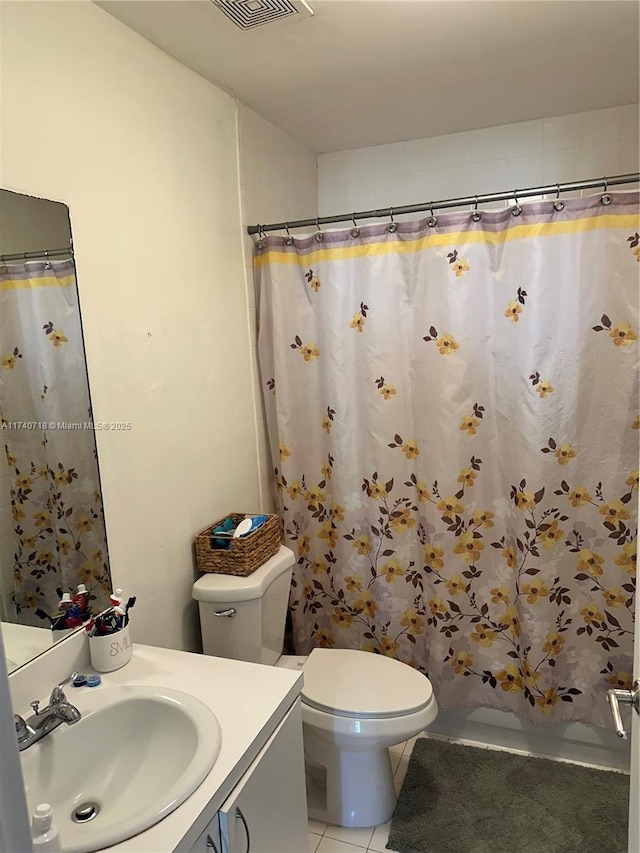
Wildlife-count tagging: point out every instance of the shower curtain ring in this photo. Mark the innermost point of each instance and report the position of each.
(288, 239)
(318, 235)
(47, 262)
(558, 203)
(391, 227)
(605, 198)
(260, 241)
(431, 221)
(355, 231)
(477, 214)
(516, 210)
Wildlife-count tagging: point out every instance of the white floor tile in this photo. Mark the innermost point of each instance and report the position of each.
(351, 835)
(330, 845)
(314, 840)
(395, 760)
(399, 747)
(380, 837)
(400, 773)
(316, 827)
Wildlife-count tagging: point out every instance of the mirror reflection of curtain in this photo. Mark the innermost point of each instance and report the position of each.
(58, 523)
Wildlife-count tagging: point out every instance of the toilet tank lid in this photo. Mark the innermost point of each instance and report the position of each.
(224, 588)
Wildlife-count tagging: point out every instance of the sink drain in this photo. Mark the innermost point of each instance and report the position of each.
(85, 812)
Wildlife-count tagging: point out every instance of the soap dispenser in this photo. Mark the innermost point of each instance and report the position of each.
(44, 834)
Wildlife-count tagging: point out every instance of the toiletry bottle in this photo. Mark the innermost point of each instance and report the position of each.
(116, 598)
(81, 600)
(65, 602)
(44, 834)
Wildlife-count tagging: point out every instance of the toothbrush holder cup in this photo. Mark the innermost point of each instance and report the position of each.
(111, 651)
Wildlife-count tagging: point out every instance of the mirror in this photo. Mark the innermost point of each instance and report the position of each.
(52, 532)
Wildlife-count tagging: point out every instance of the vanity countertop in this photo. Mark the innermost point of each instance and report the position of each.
(248, 699)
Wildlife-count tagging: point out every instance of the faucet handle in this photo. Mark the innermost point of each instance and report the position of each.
(35, 705)
(57, 694)
(22, 729)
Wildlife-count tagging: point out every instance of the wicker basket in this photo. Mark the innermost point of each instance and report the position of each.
(244, 554)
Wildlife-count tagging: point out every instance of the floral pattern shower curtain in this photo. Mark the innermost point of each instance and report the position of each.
(453, 418)
(46, 428)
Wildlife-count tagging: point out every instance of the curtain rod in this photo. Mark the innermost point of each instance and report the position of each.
(449, 202)
(29, 256)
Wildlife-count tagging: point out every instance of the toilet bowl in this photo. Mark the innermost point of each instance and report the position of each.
(355, 704)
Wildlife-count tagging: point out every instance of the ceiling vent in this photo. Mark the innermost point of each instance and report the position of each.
(247, 14)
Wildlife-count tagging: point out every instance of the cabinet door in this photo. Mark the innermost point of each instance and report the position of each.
(209, 841)
(267, 810)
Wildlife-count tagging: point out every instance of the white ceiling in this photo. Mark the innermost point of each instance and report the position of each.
(366, 72)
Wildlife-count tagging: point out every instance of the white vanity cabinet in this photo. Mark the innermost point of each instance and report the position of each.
(267, 810)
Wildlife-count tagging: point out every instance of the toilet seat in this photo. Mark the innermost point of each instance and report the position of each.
(356, 684)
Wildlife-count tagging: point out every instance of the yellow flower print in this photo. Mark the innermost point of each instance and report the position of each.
(326, 424)
(564, 454)
(636, 423)
(432, 556)
(544, 388)
(325, 470)
(337, 512)
(279, 483)
(446, 344)
(410, 449)
(461, 662)
(413, 622)
(294, 490)
(43, 519)
(57, 338)
(483, 518)
(534, 591)
(632, 479)
(342, 618)
(8, 362)
(468, 547)
(325, 640)
(97, 556)
(387, 646)
(352, 583)
(44, 556)
(614, 597)
(531, 676)
(314, 495)
(28, 541)
(484, 636)
(551, 535)
(366, 604)
(329, 533)
(284, 451)
(17, 576)
(509, 679)
(310, 352)
(30, 599)
(500, 595)
(636, 252)
(11, 459)
(456, 585)
(388, 391)
(589, 561)
(580, 496)
(628, 557)
(422, 492)
(97, 497)
(24, 482)
(17, 513)
(467, 477)
(61, 478)
(402, 520)
(449, 506)
(87, 572)
(460, 267)
(304, 545)
(357, 323)
(84, 523)
(319, 566)
(622, 680)
(553, 644)
(512, 621)
(623, 335)
(437, 605)
(514, 309)
(313, 280)
(376, 491)
(391, 571)
(362, 545)
(525, 500)
(547, 701)
(469, 424)
(307, 590)
(591, 613)
(614, 511)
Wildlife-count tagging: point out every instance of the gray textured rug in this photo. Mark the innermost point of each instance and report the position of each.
(464, 799)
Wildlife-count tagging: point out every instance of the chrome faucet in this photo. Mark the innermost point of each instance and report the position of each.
(45, 720)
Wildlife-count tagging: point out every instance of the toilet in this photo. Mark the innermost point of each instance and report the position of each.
(355, 705)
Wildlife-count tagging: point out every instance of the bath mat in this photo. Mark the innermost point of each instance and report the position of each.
(465, 799)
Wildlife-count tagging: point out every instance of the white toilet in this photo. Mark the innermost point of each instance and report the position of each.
(355, 704)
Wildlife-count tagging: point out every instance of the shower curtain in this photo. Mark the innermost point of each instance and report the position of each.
(59, 536)
(453, 418)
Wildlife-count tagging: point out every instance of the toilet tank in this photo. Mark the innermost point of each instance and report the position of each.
(244, 617)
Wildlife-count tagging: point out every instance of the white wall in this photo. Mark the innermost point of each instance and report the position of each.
(511, 156)
(144, 152)
(278, 183)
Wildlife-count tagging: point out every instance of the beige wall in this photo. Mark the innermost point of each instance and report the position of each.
(144, 152)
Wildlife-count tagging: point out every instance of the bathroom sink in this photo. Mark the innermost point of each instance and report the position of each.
(136, 755)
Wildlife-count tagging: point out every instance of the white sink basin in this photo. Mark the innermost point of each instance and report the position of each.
(136, 755)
